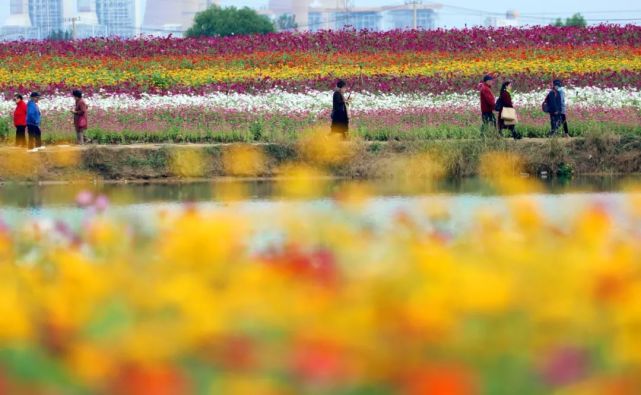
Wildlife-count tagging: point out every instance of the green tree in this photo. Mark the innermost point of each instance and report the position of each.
(60, 35)
(576, 20)
(229, 21)
(286, 22)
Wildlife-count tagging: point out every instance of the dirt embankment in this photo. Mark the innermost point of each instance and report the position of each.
(456, 158)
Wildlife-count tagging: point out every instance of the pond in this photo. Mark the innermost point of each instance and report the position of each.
(51, 195)
(458, 202)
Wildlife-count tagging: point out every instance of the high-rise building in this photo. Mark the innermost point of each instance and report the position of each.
(171, 16)
(46, 16)
(298, 8)
(117, 17)
(404, 18)
(18, 14)
(338, 14)
(84, 11)
(511, 20)
(16, 20)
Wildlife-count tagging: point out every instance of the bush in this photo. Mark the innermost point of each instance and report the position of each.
(229, 21)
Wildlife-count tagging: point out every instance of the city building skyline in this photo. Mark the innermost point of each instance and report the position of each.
(39, 18)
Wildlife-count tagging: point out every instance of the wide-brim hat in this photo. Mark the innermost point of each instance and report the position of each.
(34, 94)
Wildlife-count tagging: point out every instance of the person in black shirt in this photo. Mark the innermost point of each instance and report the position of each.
(340, 115)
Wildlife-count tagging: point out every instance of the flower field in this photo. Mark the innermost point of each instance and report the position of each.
(248, 82)
(429, 61)
(330, 289)
(293, 300)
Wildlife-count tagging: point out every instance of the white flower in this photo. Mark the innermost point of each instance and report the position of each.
(315, 102)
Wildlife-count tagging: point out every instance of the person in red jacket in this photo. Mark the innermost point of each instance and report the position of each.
(20, 120)
(488, 102)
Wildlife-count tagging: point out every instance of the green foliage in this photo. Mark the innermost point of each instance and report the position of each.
(565, 171)
(286, 22)
(576, 20)
(160, 80)
(60, 35)
(256, 129)
(229, 21)
(5, 128)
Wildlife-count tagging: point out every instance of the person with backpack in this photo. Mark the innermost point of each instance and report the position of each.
(488, 103)
(20, 120)
(505, 101)
(553, 106)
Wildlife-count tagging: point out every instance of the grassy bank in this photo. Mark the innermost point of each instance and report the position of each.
(178, 126)
(363, 159)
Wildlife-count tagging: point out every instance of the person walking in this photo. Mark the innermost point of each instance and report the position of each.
(33, 121)
(488, 103)
(505, 101)
(563, 119)
(340, 114)
(20, 120)
(553, 106)
(80, 117)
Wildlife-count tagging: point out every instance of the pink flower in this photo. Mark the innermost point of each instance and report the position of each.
(84, 199)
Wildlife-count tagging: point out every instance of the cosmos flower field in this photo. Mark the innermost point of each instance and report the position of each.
(274, 86)
(330, 288)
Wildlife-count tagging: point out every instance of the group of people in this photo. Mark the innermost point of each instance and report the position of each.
(554, 105)
(27, 119)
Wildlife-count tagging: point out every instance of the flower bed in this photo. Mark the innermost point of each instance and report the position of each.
(278, 116)
(271, 87)
(428, 61)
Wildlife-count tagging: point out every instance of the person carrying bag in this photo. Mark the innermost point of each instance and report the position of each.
(508, 117)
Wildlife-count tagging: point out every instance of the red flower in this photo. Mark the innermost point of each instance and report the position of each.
(440, 380)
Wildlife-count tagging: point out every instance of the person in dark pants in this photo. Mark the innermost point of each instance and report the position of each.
(563, 119)
(79, 117)
(487, 103)
(505, 101)
(340, 114)
(33, 121)
(20, 120)
(554, 108)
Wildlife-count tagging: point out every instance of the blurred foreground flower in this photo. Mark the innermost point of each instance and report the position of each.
(300, 181)
(187, 162)
(293, 302)
(321, 148)
(504, 171)
(244, 160)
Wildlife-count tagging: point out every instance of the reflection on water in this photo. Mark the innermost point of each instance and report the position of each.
(56, 195)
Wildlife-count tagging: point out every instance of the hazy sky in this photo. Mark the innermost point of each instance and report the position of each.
(532, 10)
